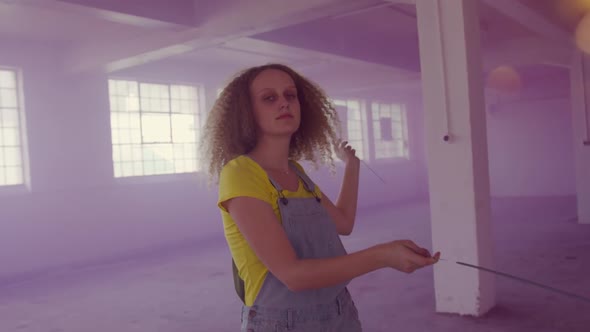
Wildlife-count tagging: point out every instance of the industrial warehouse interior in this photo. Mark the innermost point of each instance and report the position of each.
(470, 118)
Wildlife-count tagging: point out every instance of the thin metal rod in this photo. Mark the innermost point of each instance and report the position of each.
(443, 68)
(526, 281)
(377, 175)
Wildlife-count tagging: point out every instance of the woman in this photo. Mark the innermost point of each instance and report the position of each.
(290, 267)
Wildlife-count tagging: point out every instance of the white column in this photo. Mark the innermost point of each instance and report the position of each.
(452, 83)
(580, 75)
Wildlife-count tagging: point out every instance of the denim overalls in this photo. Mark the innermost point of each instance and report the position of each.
(312, 234)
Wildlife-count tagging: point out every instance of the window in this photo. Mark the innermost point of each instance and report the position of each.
(11, 160)
(153, 128)
(351, 117)
(390, 131)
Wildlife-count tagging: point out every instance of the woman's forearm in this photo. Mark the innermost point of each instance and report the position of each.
(324, 272)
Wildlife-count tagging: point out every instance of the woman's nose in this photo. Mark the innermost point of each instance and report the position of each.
(283, 103)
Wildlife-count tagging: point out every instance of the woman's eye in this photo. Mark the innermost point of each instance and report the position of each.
(291, 96)
(270, 98)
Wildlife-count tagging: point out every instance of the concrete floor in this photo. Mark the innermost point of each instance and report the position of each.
(190, 288)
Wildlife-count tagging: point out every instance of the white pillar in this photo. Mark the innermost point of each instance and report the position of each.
(452, 83)
(580, 75)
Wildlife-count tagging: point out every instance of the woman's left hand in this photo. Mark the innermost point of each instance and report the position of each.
(346, 153)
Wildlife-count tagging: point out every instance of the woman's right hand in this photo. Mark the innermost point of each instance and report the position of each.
(406, 256)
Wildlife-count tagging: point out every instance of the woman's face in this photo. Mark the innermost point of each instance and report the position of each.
(275, 103)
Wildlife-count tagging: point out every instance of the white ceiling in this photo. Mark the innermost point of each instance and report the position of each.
(318, 35)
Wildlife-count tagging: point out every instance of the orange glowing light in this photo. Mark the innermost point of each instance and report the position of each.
(572, 10)
(504, 79)
(583, 34)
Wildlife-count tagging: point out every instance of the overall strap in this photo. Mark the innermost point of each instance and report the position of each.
(279, 189)
(309, 185)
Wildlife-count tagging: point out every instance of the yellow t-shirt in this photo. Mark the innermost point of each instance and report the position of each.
(242, 176)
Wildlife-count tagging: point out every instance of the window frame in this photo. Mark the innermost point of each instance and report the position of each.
(405, 140)
(198, 126)
(344, 102)
(25, 185)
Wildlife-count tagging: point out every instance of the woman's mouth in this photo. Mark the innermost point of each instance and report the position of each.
(285, 116)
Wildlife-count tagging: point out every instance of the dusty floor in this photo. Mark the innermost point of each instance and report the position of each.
(190, 288)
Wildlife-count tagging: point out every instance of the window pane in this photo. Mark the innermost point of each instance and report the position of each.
(354, 106)
(122, 88)
(149, 167)
(113, 103)
(339, 102)
(396, 115)
(163, 152)
(116, 153)
(136, 152)
(164, 94)
(190, 151)
(180, 166)
(148, 152)
(7, 79)
(397, 131)
(175, 106)
(114, 121)
(124, 136)
(178, 151)
(191, 165)
(145, 91)
(126, 153)
(123, 120)
(8, 98)
(117, 169)
(10, 137)
(389, 128)
(138, 168)
(13, 176)
(187, 106)
(122, 104)
(145, 104)
(127, 169)
(135, 136)
(9, 117)
(175, 92)
(12, 157)
(115, 136)
(132, 103)
(134, 121)
(377, 129)
(183, 128)
(11, 162)
(164, 105)
(155, 128)
(147, 129)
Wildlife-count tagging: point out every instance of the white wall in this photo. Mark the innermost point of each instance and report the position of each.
(530, 148)
(77, 213)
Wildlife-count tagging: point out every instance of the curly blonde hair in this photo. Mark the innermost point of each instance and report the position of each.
(230, 129)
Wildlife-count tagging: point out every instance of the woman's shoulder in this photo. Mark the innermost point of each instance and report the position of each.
(241, 166)
(241, 176)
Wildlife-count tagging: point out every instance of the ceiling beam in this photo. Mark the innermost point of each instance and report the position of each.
(91, 12)
(527, 52)
(291, 53)
(532, 20)
(402, 2)
(241, 19)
